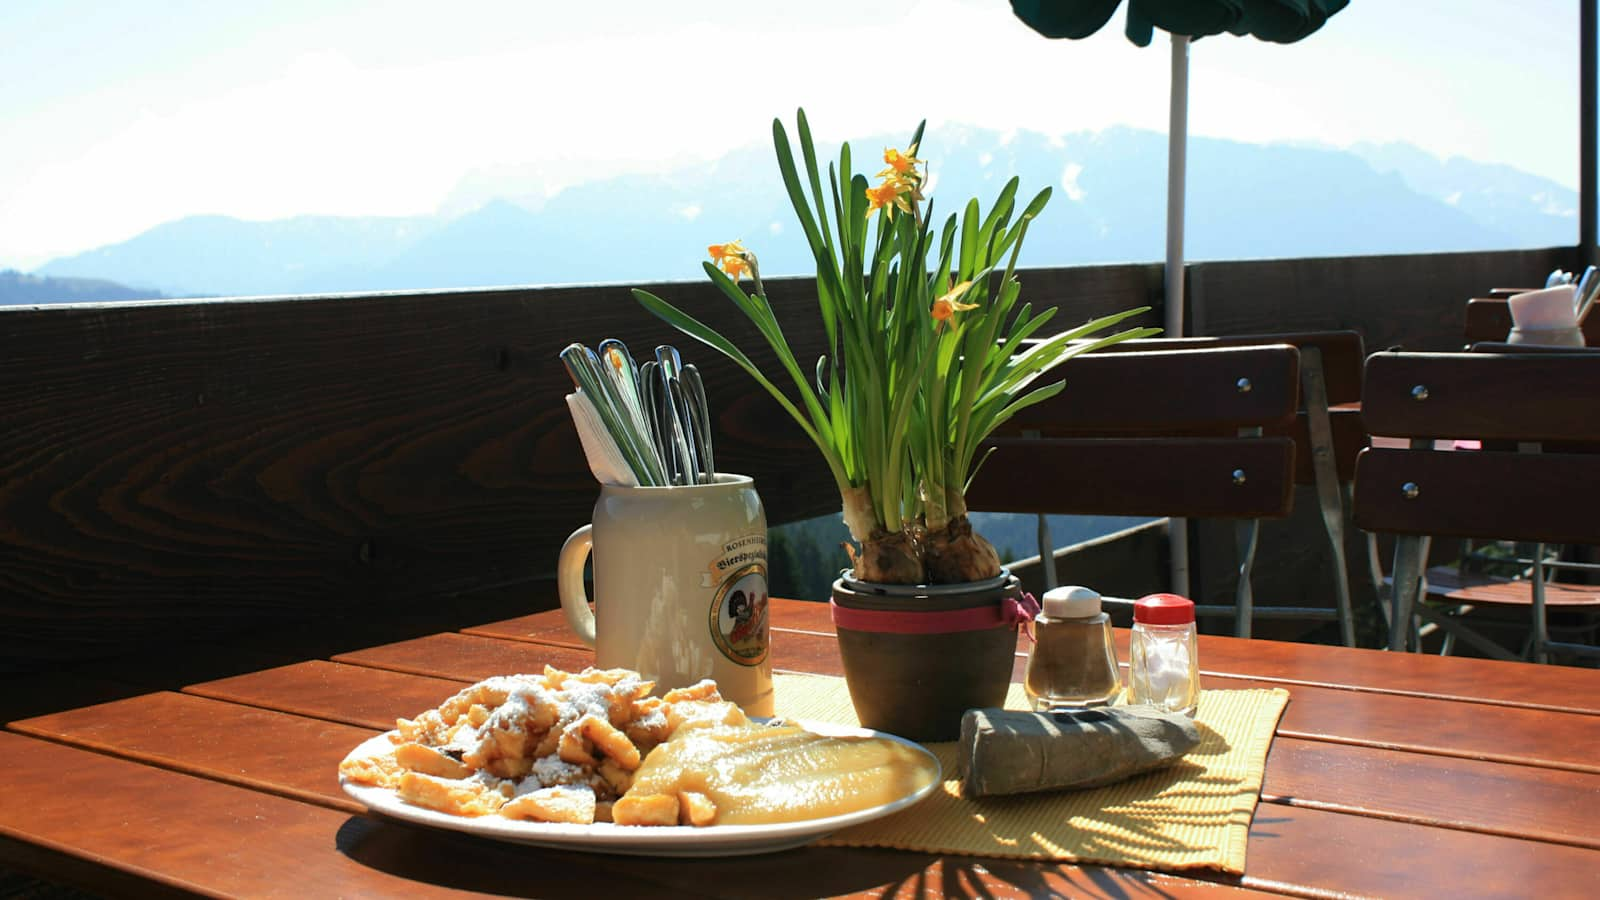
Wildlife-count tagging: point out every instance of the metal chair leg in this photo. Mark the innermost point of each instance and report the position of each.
(1540, 628)
(1410, 557)
(1329, 495)
(1247, 535)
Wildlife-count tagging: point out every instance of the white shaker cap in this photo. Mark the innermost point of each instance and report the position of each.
(1071, 601)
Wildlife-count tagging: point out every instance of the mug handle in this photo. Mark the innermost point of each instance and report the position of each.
(569, 583)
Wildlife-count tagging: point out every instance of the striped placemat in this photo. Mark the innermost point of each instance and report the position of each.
(1193, 814)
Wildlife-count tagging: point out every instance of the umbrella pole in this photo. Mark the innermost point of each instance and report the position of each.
(1177, 163)
(1177, 147)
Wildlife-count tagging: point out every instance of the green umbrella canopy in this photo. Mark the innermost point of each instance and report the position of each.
(1279, 21)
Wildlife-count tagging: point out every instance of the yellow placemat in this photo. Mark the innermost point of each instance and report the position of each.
(1193, 814)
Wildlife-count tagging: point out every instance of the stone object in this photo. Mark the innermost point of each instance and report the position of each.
(1005, 752)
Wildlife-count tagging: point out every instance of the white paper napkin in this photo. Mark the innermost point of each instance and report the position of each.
(1545, 309)
(605, 460)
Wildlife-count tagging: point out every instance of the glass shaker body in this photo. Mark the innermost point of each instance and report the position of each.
(1073, 664)
(1163, 662)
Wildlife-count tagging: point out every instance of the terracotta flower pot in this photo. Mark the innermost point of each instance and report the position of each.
(917, 657)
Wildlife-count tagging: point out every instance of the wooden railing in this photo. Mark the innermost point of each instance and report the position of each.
(181, 468)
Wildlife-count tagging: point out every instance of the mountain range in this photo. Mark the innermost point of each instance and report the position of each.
(1108, 205)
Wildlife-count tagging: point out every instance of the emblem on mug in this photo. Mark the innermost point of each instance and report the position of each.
(739, 609)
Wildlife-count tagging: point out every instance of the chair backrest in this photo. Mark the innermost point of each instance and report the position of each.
(1152, 433)
(1545, 489)
(1340, 358)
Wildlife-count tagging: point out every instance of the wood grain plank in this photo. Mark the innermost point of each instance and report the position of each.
(473, 657)
(464, 657)
(551, 628)
(154, 830)
(291, 755)
(1333, 854)
(1487, 681)
(158, 829)
(1288, 849)
(357, 695)
(1443, 727)
(1494, 798)
(1511, 734)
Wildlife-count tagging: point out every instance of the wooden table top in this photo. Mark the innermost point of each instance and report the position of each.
(1391, 775)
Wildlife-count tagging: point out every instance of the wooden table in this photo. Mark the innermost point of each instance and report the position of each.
(1391, 775)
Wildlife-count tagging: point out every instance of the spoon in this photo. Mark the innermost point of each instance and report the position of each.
(695, 390)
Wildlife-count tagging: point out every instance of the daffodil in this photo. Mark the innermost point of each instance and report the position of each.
(910, 383)
(731, 258)
(888, 196)
(901, 165)
(948, 305)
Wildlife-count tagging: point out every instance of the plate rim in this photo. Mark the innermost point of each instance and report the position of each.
(653, 840)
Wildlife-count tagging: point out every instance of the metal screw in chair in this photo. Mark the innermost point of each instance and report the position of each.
(1420, 392)
(1410, 490)
(1243, 385)
(1238, 477)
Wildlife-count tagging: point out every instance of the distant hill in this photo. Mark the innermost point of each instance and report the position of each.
(17, 289)
(1503, 198)
(1244, 201)
(224, 256)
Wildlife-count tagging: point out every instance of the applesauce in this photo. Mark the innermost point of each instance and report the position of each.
(759, 775)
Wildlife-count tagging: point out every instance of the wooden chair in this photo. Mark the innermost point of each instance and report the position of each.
(1327, 432)
(1535, 481)
(1159, 433)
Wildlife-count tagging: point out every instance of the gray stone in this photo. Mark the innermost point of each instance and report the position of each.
(1006, 752)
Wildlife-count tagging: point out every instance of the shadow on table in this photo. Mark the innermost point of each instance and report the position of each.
(462, 862)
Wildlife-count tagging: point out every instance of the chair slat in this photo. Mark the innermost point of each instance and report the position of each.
(1526, 397)
(1343, 353)
(1167, 392)
(1552, 497)
(1150, 476)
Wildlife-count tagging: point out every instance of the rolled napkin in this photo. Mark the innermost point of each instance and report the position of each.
(1549, 316)
(1006, 752)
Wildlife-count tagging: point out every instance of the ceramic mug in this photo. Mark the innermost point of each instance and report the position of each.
(680, 583)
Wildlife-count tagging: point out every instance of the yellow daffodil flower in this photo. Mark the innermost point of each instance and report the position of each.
(887, 196)
(947, 305)
(730, 257)
(901, 165)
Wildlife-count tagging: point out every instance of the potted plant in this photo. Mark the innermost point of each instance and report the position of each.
(925, 358)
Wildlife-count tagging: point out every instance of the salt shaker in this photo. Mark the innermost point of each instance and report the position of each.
(1163, 665)
(1074, 662)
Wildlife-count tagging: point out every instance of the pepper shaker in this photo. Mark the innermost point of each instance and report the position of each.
(1073, 664)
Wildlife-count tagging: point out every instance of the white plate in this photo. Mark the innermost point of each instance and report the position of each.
(638, 840)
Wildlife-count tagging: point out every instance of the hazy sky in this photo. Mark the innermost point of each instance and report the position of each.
(116, 116)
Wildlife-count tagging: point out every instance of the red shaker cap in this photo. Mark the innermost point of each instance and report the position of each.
(1163, 609)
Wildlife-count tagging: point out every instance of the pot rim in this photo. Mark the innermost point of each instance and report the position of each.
(848, 579)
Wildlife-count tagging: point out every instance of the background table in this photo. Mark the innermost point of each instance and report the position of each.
(1391, 774)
